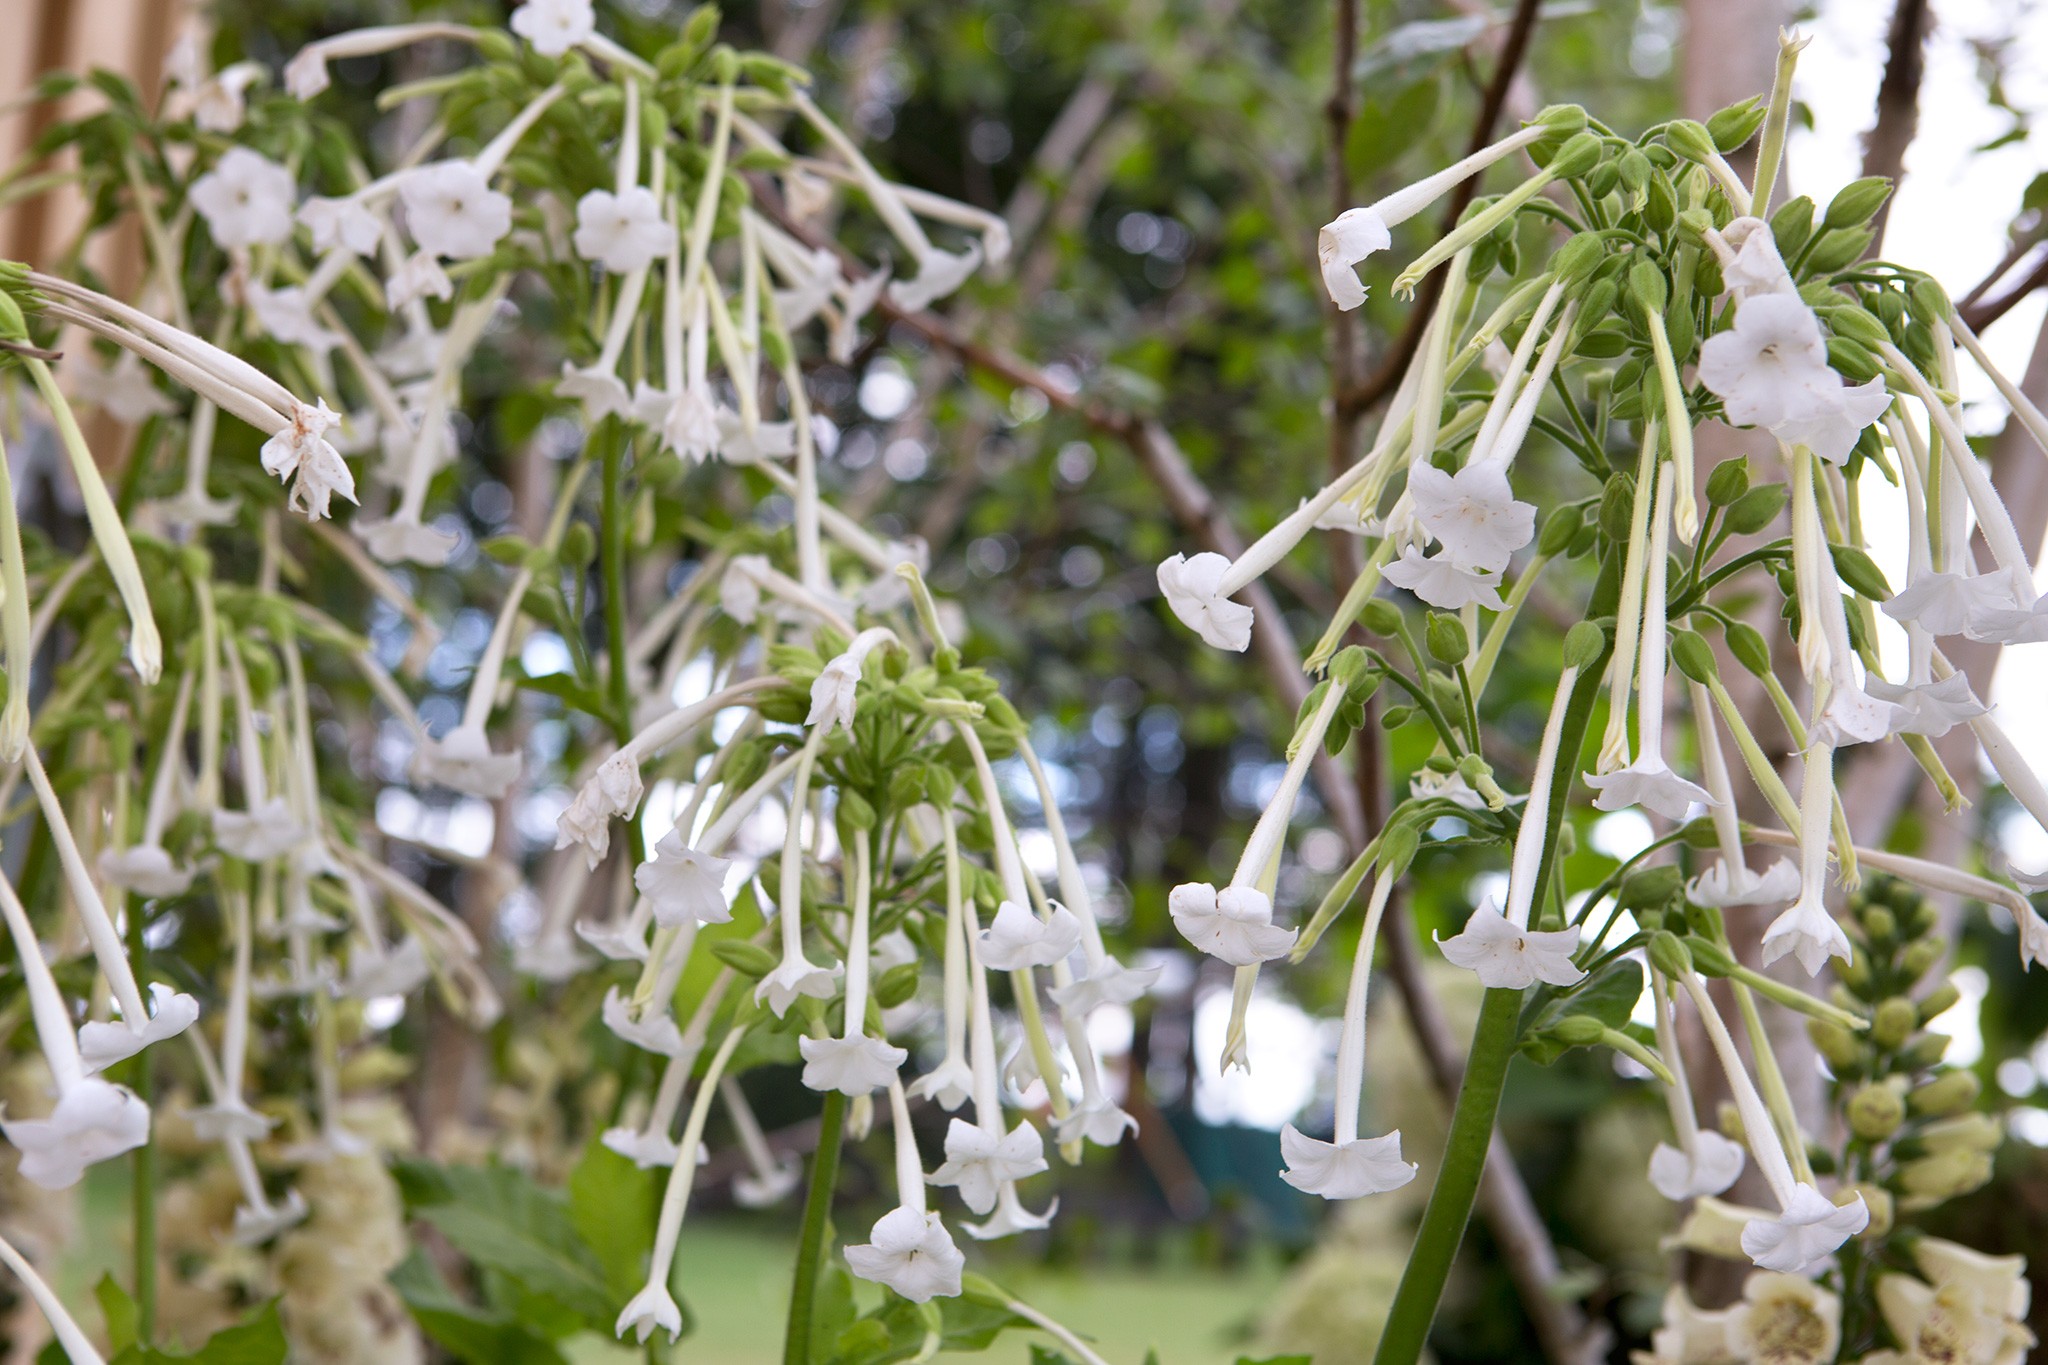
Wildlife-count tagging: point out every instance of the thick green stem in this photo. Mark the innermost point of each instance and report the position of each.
(143, 1187)
(816, 1231)
(612, 536)
(1486, 1069)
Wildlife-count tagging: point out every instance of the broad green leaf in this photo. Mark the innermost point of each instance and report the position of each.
(612, 1202)
(259, 1341)
(503, 1221)
(118, 1308)
(474, 1335)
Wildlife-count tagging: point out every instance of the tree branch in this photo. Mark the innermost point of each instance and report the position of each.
(1898, 103)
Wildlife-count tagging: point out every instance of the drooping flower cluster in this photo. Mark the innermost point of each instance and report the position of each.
(1675, 297)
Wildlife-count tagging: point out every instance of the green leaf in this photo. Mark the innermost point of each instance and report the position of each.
(259, 1341)
(612, 1202)
(1609, 997)
(503, 1221)
(1276, 1360)
(119, 1311)
(477, 1336)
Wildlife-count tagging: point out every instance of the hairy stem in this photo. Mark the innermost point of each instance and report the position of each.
(816, 1230)
(1486, 1070)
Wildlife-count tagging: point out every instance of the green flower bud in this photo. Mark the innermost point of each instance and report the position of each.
(1579, 155)
(1577, 259)
(1649, 289)
(1558, 529)
(1711, 958)
(1878, 922)
(1617, 508)
(1381, 617)
(1858, 326)
(1927, 1051)
(1894, 1021)
(1445, 636)
(1875, 1112)
(1757, 508)
(1577, 1030)
(1791, 225)
(1921, 955)
(896, 986)
(1929, 301)
(1938, 1002)
(1852, 360)
(1728, 482)
(748, 959)
(1952, 1092)
(1634, 170)
(1669, 955)
(1857, 202)
(1750, 648)
(1583, 644)
(1394, 717)
(1694, 657)
(1841, 1047)
(1690, 139)
(1398, 846)
(1737, 124)
(579, 545)
(1860, 572)
(1883, 1209)
(1561, 119)
(1649, 886)
(1933, 1179)
(1351, 667)
(855, 811)
(1970, 1132)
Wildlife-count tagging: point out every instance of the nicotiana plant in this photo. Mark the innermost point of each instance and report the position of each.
(834, 871)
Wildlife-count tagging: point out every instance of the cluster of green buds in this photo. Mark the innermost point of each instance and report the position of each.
(1911, 1125)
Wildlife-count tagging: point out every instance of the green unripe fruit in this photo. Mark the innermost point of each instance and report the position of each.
(1690, 139)
(1927, 1051)
(1737, 124)
(1757, 508)
(1446, 639)
(1921, 955)
(1577, 157)
(1875, 1112)
(1668, 954)
(1728, 482)
(1938, 1002)
(1749, 647)
(1381, 617)
(1583, 644)
(1952, 1092)
(1558, 530)
(748, 959)
(1878, 921)
(1857, 202)
(1578, 1030)
(1577, 259)
(1617, 508)
(1894, 1022)
(1840, 1046)
(1694, 657)
(896, 986)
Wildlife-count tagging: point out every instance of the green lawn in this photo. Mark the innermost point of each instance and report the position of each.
(736, 1279)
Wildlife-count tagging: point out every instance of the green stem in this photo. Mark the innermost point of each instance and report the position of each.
(143, 1187)
(612, 532)
(1457, 1183)
(816, 1231)
(1486, 1071)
